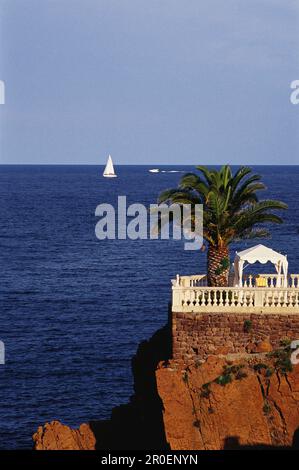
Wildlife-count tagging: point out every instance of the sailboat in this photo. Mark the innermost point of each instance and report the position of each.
(109, 169)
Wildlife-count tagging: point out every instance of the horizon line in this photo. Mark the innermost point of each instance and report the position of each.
(147, 164)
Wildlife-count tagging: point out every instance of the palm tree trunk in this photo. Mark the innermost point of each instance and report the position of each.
(218, 266)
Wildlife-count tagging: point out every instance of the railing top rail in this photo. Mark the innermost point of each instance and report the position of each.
(194, 276)
(245, 276)
(235, 289)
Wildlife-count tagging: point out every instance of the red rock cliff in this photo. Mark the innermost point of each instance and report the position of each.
(222, 403)
(252, 410)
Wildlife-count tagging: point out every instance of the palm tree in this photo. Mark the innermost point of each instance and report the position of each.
(231, 211)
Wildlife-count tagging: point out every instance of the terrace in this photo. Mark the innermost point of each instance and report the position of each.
(262, 293)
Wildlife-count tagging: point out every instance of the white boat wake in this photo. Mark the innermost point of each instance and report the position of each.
(157, 170)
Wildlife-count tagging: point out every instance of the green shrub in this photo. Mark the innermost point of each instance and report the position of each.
(231, 372)
(285, 342)
(205, 390)
(224, 379)
(247, 326)
(240, 375)
(283, 360)
(266, 407)
(234, 369)
(269, 372)
(260, 366)
(185, 377)
(284, 365)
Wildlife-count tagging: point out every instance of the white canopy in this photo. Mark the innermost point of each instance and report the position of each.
(262, 254)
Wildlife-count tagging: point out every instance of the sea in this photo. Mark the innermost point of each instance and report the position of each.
(74, 308)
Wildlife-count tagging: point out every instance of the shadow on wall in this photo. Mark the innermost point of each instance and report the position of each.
(232, 443)
(139, 424)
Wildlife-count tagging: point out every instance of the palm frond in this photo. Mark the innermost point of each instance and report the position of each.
(232, 208)
(258, 233)
(206, 172)
(239, 175)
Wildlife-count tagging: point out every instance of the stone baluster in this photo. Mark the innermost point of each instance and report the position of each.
(240, 298)
(286, 300)
(246, 298)
(226, 297)
(198, 298)
(278, 298)
(293, 299)
(221, 298)
(282, 298)
(251, 299)
(266, 299)
(209, 298)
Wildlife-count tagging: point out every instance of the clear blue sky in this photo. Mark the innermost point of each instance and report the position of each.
(149, 81)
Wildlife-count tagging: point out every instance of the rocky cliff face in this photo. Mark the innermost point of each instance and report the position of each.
(224, 402)
(56, 436)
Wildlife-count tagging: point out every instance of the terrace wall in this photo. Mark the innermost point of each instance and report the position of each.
(196, 335)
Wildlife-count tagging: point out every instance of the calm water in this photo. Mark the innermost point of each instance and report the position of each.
(73, 309)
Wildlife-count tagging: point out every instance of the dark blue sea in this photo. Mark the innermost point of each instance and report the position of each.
(73, 308)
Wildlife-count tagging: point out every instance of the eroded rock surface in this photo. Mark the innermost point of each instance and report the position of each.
(57, 436)
(255, 410)
(226, 401)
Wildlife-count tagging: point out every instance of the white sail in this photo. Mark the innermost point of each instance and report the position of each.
(109, 169)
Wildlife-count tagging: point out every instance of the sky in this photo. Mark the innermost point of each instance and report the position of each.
(149, 81)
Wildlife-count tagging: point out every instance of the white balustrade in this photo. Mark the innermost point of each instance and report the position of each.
(193, 281)
(190, 294)
(250, 280)
(294, 280)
